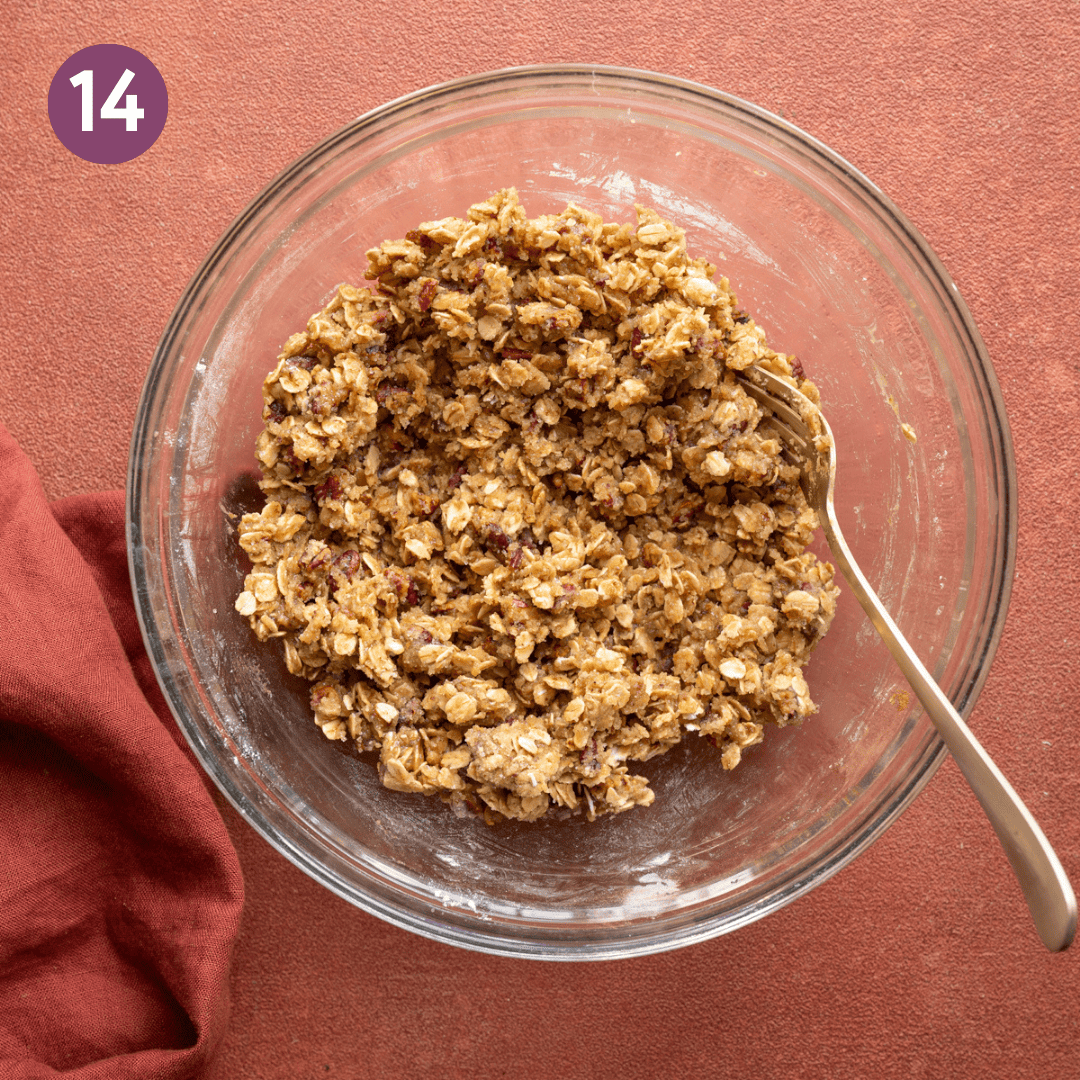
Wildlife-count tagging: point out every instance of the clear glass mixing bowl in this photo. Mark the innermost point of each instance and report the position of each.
(835, 274)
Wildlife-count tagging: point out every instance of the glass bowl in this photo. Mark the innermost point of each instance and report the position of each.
(832, 271)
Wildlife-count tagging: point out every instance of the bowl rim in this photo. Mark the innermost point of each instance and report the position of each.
(984, 380)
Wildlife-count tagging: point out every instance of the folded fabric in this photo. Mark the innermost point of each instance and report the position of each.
(120, 891)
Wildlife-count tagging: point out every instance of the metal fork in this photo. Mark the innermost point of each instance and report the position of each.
(1049, 896)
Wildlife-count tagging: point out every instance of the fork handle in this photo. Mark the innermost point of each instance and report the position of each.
(1046, 889)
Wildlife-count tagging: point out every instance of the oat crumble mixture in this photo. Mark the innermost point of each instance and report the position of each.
(523, 527)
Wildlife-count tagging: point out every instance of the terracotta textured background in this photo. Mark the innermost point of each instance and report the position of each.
(919, 959)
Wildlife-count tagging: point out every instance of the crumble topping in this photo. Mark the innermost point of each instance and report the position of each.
(523, 528)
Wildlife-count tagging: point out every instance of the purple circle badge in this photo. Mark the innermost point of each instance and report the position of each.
(108, 104)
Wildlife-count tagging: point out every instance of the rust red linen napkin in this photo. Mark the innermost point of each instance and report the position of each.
(120, 892)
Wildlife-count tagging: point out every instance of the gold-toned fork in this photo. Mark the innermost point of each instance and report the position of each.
(1046, 889)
